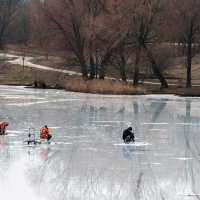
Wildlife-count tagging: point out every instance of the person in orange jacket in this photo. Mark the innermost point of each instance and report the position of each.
(3, 127)
(44, 133)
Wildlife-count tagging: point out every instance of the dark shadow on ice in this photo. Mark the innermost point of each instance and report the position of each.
(188, 111)
(156, 114)
(128, 151)
(136, 110)
(31, 154)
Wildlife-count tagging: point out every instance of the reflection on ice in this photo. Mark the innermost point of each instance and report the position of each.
(87, 159)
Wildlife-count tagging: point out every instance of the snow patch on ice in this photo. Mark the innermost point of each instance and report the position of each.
(55, 127)
(163, 123)
(11, 135)
(184, 159)
(157, 163)
(39, 102)
(136, 144)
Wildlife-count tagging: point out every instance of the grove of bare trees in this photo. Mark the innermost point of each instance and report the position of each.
(9, 9)
(103, 33)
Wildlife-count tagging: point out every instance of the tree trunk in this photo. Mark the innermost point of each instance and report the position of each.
(102, 71)
(1, 43)
(122, 68)
(122, 64)
(105, 62)
(92, 68)
(189, 64)
(155, 68)
(83, 67)
(137, 61)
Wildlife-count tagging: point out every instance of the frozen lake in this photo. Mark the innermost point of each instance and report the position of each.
(87, 159)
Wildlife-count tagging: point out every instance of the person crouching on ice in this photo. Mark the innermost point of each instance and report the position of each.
(128, 135)
(44, 133)
(3, 128)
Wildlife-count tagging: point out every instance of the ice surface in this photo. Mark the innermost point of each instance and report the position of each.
(86, 159)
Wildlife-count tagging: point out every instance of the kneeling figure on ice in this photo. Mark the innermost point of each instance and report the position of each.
(44, 133)
(128, 135)
(3, 128)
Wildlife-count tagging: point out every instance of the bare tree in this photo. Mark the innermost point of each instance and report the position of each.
(112, 36)
(67, 17)
(41, 31)
(186, 17)
(143, 28)
(94, 9)
(8, 11)
(119, 21)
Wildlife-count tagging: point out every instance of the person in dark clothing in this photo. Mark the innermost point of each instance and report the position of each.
(128, 135)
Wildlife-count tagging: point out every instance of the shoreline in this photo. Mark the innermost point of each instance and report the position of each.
(157, 92)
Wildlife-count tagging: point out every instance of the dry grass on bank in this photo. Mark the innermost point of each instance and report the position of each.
(103, 87)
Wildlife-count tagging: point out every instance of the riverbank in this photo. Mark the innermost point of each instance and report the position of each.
(12, 73)
(184, 92)
(114, 88)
